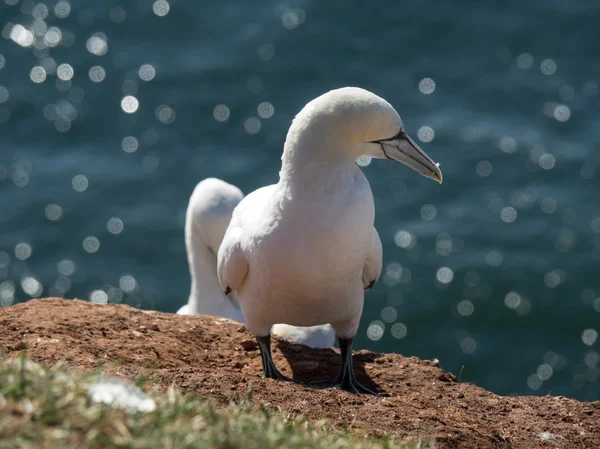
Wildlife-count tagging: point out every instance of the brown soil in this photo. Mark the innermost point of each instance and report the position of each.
(218, 358)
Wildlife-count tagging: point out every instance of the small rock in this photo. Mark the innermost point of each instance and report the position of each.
(460, 396)
(155, 328)
(239, 365)
(136, 333)
(447, 377)
(249, 344)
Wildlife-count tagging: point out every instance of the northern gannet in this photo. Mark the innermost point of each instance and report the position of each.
(303, 251)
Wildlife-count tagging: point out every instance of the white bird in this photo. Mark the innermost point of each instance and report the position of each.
(303, 251)
(207, 217)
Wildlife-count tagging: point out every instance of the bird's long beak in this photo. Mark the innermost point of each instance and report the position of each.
(403, 149)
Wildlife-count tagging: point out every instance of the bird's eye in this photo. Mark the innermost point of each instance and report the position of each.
(398, 134)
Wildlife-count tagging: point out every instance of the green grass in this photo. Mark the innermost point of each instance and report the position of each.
(50, 408)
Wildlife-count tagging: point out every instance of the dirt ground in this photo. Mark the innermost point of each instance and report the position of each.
(219, 359)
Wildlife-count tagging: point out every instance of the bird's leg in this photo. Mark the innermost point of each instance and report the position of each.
(269, 369)
(346, 379)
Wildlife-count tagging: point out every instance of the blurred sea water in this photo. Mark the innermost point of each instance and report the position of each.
(111, 112)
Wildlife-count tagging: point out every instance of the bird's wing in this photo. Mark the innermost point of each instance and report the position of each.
(232, 265)
(374, 262)
(234, 252)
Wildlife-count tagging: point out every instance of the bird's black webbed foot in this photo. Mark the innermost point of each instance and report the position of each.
(270, 371)
(346, 380)
(351, 385)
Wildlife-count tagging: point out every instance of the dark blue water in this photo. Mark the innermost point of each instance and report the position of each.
(495, 272)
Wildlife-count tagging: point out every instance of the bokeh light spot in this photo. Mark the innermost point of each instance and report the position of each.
(62, 9)
(4, 94)
(265, 110)
(128, 283)
(65, 72)
(548, 67)
(80, 183)
(98, 297)
(161, 8)
(552, 279)
(512, 300)
(147, 72)
(548, 205)
(7, 293)
(91, 244)
(375, 330)
(65, 267)
(252, 125)
(508, 214)
(97, 44)
(129, 104)
(165, 114)
(363, 161)
(389, 314)
(465, 308)
(589, 337)
(32, 286)
(221, 113)
(562, 113)
(444, 275)
(129, 144)
(427, 86)
(37, 74)
(484, 168)
(545, 371)
(405, 239)
(97, 74)
(534, 381)
(468, 345)
(524, 61)
(115, 225)
(23, 251)
(117, 14)
(426, 134)
(399, 330)
(428, 212)
(53, 212)
(22, 36)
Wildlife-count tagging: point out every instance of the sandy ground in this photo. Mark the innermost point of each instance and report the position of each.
(219, 359)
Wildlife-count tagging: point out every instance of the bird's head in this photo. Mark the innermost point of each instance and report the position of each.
(354, 122)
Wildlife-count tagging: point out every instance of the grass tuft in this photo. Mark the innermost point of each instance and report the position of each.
(50, 408)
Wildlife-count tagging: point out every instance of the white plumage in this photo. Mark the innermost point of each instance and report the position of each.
(302, 251)
(207, 217)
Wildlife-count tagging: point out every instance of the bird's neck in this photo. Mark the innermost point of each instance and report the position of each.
(312, 165)
(206, 295)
